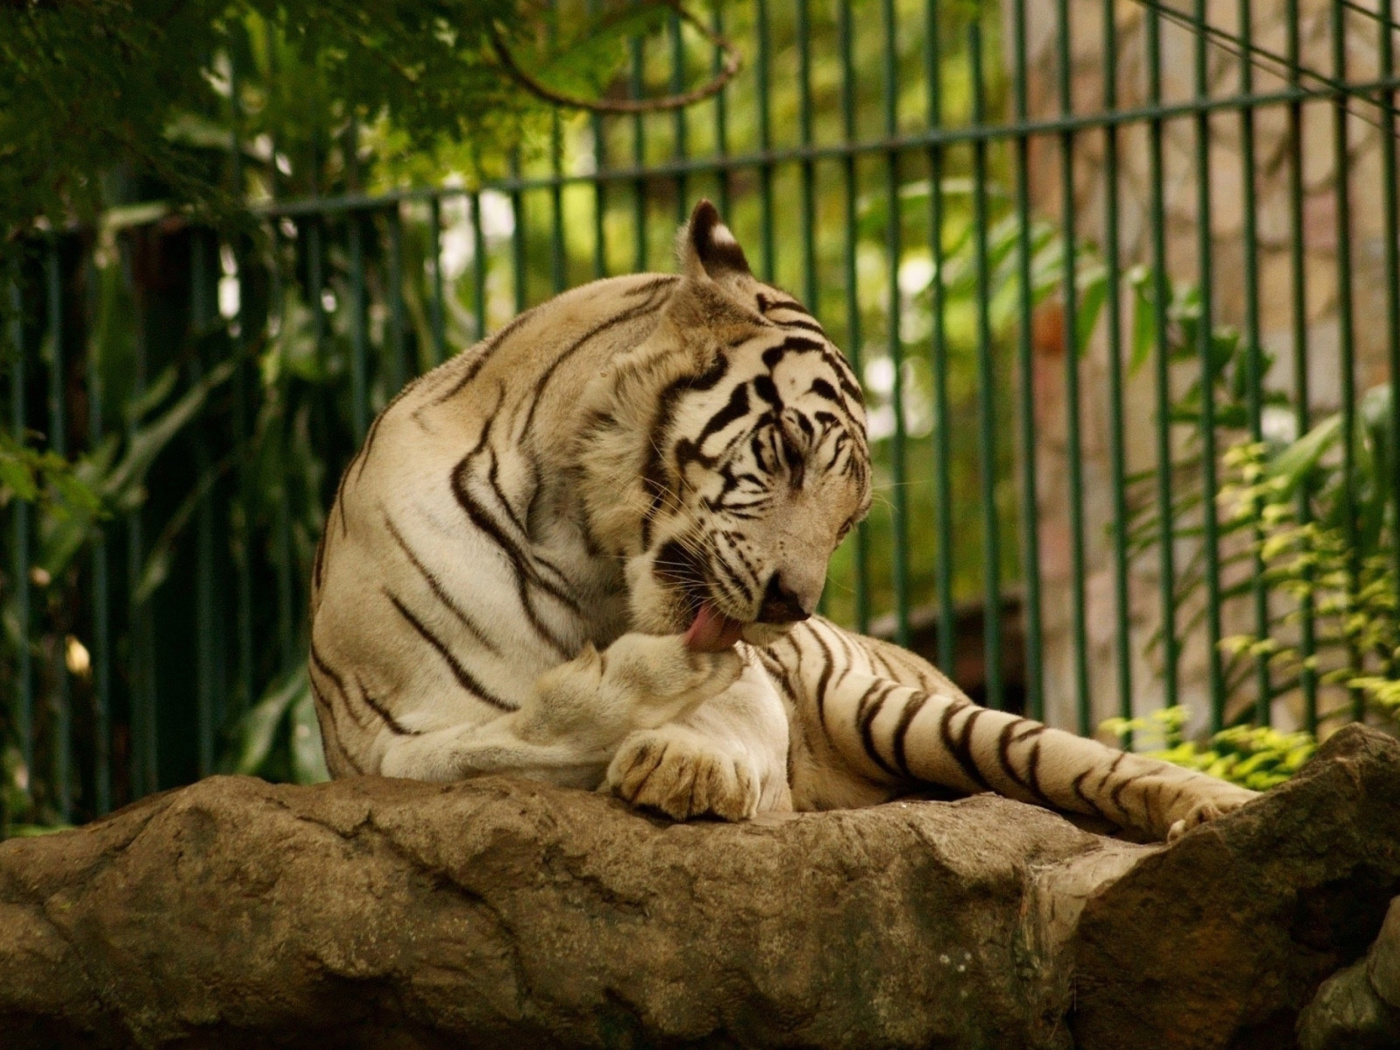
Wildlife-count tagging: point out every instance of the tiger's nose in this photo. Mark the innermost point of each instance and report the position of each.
(781, 605)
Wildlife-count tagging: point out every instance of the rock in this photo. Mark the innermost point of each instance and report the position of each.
(1356, 1008)
(1383, 960)
(1347, 1014)
(502, 913)
(1218, 941)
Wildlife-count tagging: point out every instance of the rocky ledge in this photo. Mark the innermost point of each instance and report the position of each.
(501, 913)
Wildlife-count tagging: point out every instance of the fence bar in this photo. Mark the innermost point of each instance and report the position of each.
(1391, 222)
(101, 650)
(1346, 344)
(359, 398)
(58, 443)
(678, 119)
(398, 343)
(639, 158)
(202, 281)
(854, 334)
(907, 141)
(721, 115)
(765, 142)
(439, 353)
(518, 240)
(478, 267)
(986, 387)
(558, 252)
(143, 754)
(24, 697)
(808, 204)
(1160, 302)
(1210, 542)
(1122, 643)
(938, 352)
(1298, 295)
(893, 250)
(1250, 232)
(1073, 443)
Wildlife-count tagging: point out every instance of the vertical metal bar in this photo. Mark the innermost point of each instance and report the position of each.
(398, 350)
(1250, 234)
(1346, 345)
(986, 384)
(1307, 645)
(243, 433)
(1123, 662)
(58, 443)
(143, 756)
(517, 236)
(722, 114)
(282, 513)
(101, 662)
(202, 312)
(1389, 180)
(1204, 249)
(938, 351)
(600, 189)
(639, 156)
(1073, 443)
(765, 142)
(893, 250)
(807, 204)
(24, 694)
(478, 267)
(1030, 513)
(853, 319)
(678, 118)
(359, 394)
(439, 306)
(558, 256)
(1161, 300)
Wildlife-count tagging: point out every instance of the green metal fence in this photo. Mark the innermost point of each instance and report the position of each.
(944, 185)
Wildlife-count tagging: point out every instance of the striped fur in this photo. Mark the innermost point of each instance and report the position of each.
(524, 554)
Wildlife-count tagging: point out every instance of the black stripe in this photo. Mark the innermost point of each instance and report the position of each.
(320, 665)
(464, 678)
(395, 726)
(901, 730)
(866, 712)
(366, 448)
(486, 350)
(631, 313)
(437, 589)
(1115, 795)
(520, 559)
(822, 681)
(958, 746)
(1078, 786)
(1005, 739)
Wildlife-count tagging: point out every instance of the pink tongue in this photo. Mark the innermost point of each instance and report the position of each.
(712, 631)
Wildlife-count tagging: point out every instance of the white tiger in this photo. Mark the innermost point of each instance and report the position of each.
(589, 549)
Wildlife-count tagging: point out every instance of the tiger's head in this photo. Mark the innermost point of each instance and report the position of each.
(727, 454)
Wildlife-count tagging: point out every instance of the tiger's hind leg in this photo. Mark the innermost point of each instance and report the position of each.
(895, 734)
(872, 720)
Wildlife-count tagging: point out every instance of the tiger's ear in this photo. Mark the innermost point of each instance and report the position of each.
(707, 248)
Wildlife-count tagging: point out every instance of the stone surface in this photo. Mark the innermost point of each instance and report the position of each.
(499, 913)
(1383, 961)
(1242, 920)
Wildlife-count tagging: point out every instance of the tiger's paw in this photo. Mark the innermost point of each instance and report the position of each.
(663, 678)
(682, 774)
(1207, 809)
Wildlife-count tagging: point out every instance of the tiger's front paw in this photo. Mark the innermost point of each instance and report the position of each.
(682, 774)
(1203, 810)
